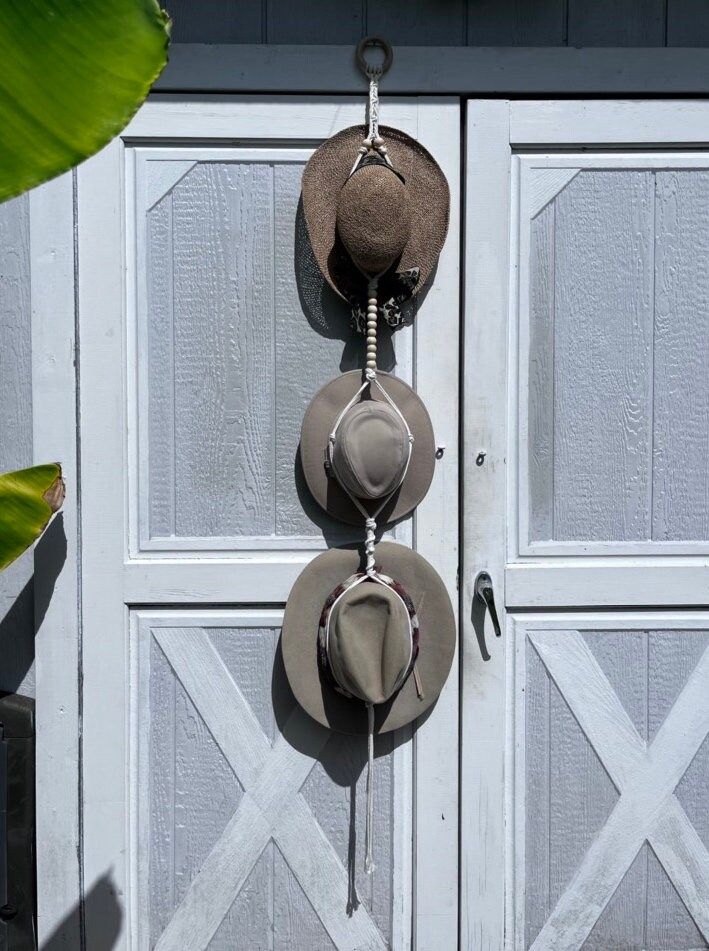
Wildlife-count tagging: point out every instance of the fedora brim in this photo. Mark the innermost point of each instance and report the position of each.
(323, 178)
(299, 641)
(318, 423)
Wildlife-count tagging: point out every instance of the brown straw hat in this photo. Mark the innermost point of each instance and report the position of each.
(386, 217)
(382, 445)
(353, 642)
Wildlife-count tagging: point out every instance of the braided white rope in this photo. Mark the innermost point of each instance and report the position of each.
(373, 142)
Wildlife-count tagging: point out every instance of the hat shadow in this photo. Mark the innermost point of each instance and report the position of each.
(342, 756)
(339, 534)
(329, 315)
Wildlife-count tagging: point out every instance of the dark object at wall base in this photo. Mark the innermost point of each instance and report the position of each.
(17, 806)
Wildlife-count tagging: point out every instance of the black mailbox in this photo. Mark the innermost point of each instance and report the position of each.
(17, 864)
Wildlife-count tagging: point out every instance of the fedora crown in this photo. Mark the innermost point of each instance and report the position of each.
(371, 450)
(370, 642)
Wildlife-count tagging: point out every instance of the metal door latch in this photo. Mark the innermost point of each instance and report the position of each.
(484, 594)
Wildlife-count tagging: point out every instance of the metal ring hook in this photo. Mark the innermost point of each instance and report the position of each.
(369, 69)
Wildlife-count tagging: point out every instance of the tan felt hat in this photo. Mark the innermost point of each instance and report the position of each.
(370, 450)
(377, 216)
(352, 639)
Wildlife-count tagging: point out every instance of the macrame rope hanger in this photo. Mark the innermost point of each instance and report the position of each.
(373, 142)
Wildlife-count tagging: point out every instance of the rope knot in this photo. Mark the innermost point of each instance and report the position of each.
(370, 541)
(370, 374)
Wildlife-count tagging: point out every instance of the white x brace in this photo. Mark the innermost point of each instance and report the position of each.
(272, 807)
(646, 778)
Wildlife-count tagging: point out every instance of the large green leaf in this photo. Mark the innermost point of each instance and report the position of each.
(28, 499)
(72, 73)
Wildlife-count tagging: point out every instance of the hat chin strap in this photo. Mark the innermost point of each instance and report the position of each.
(385, 580)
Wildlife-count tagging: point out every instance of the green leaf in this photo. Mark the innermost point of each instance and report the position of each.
(28, 499)
(72, 73)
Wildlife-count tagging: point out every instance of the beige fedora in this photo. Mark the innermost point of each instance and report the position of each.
(382, 445)
(387, 216)
(353, 641)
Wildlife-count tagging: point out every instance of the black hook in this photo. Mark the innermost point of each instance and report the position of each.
(368, 69)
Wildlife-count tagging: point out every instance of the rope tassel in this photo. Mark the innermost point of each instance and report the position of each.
(368, 861)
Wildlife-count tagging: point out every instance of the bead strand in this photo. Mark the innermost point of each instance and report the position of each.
(371, 363)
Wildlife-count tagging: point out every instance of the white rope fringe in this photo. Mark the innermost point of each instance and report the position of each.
(368, 862)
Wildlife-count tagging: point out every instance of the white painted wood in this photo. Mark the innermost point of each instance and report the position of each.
(16, 603)
(437, 529)
(574, 465)
(484, 431)
(575, 774)
(272, 806)
(56, 566)
(614, 122)
(630, 582)
(126, 569)
(646, 778)
(545, 184)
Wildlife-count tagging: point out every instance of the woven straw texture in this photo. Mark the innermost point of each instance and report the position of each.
(428, 198)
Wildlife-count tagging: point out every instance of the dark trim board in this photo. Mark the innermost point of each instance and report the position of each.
(442, 70)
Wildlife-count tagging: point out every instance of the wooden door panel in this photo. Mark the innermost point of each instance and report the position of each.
(214, 808)
(239, 329)
(611, 834)
(612, 401)
(199, 678)
(586, 492)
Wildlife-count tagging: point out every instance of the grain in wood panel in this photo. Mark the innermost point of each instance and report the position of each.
(622, 656)
(669, 924)
(616, 23)
(16, 590)
(216, 21)
(206, 791)
(603, 356)
(295, 923)
(223, 291)
(516, 23)
(313, 21)
(312, 329)
(162, 790)
(621, 923)
(248, 655)
(680, 507)
(161, 404)
(541, 376)
(687, 23)
(15, 336)
(249, 922)
(336, 791)
(537, 754)
(673, 655)
(581, 795)
(419, 22)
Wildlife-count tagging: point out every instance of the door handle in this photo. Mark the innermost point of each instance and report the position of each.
(485, 594)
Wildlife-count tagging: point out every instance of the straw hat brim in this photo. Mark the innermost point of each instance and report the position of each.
(318, 423)
(437, 636)
(327, 171)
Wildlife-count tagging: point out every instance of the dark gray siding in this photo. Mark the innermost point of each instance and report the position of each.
(445, 22)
